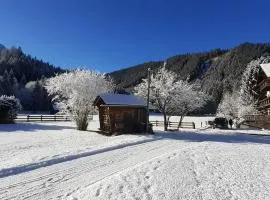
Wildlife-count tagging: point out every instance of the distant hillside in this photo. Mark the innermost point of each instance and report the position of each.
(217, 71)
(23, 76)
(23, 65)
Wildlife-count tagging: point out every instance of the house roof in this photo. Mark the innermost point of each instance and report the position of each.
(266, 69)
(120, 100)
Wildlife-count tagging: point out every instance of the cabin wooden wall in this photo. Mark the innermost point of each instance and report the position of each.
(122, 119)
(104, 118)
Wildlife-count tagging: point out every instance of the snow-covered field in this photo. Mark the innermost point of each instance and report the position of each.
(28, 143)
(55, 161)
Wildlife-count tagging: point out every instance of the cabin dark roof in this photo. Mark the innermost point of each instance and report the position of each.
(120, 100)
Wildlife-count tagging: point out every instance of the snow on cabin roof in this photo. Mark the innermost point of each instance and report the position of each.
(266, 69)
(122, 99)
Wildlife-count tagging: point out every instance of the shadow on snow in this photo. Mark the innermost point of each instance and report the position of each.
(228, 137)
(30, 127)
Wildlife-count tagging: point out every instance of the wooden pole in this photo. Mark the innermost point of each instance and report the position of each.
(148, 94)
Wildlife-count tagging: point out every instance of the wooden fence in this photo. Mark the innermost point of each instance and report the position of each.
(44, 118)
(35, 118)
(51, 118)
(253, 118)
(174, 124)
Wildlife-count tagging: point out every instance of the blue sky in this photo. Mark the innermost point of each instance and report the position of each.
(111, 34)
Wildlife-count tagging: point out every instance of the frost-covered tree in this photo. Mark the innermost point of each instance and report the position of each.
(9, 106)
(229, 106)
(243, 102)
(188, 98)
(74, 93)
(170, 96)
(232, 106)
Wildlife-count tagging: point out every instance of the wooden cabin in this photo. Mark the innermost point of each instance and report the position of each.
(119, 113)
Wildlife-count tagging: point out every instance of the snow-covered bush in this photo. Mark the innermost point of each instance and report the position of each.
(74, 93)
(9, 106)
(171, 96)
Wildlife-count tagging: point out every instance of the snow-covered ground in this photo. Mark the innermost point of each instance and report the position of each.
(55, 161)
(27, 143)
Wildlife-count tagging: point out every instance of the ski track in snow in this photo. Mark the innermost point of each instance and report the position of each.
(204, 165)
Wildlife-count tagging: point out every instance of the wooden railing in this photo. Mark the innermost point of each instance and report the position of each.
(258, 121)
(34, 118)
(253, 118)
(44, 118)
(174, 124)
(264, 103)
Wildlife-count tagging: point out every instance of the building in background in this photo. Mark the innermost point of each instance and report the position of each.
(264, 89)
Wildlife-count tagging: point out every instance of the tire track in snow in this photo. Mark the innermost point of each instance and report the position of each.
(33, 166)
(85, 171)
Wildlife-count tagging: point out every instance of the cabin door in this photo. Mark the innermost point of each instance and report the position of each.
(128, 121)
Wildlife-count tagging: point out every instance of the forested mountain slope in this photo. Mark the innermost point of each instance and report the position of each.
(23, 65)
(23, 76)
(218, 71)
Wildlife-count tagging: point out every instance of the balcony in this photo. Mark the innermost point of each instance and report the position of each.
(264, 103)
(264, 84)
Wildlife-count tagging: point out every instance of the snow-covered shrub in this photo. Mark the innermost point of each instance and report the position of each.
(171, 96)
(74, 93)
(9, 106)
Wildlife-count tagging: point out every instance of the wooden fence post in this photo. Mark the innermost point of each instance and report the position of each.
(55, 118)
(28, 118)
(40, 117)
(193, 125)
